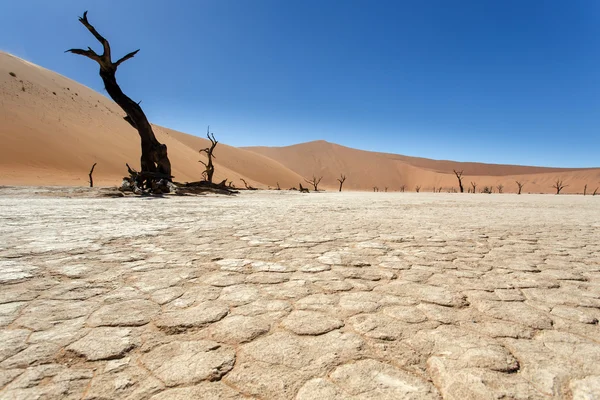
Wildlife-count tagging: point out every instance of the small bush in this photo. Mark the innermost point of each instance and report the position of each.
(12, 74)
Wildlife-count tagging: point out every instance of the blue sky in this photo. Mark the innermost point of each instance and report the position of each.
(506, 81)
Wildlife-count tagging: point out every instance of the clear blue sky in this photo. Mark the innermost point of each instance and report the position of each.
(505, 81)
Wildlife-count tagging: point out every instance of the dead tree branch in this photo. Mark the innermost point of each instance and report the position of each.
(248, 187)
(90, 175)
(500, 188)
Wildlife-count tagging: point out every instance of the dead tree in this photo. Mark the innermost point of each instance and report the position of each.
(500, 188)
(154, 160)
(558, 185)
(375, 189)
(459, 177)
(585, 189)
(595, 191)
(402, 188)
(474, 186)
(417, 188)
(278, 188)
(90, 175)
(341, 180)
(520, 185)
(302, 188)
(440, 189)
(314, 182)
(209, 167)
(385, 189)
(248, 187)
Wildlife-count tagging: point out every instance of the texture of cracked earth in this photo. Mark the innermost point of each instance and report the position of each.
(280, 295)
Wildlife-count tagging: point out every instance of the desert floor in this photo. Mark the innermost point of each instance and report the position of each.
(281, 295)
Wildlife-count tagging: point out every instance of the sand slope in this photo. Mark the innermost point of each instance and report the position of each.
(53, 129)
(365, 169)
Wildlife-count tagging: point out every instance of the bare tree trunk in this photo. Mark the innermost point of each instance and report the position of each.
(154, 157)
(520, 184)
(90, 175)
(585, 189)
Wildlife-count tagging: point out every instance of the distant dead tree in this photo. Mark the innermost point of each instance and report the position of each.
(302, 189)
(487, 189)
(402, 188)
(209, 167)
(474, 186)
(440, 189)
(90, 175)
(248, 187)
(434, 189)
(520, 185)
(156, 167)
(459, 177)
(417, 188)
(315, 182)
(585, 189)
(500, 188)
(375, 189)
(558, 185)
(278, 188)
(341, 180)
(595, 191)
(386, 188)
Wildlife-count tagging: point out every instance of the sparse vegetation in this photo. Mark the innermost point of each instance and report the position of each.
(487, 189)
(314, 182)
(559, 185)
(474, 187)
(341, 180)
(402, 188)
(520, 185)
(500, 188)
(459, 177)
(417, 188)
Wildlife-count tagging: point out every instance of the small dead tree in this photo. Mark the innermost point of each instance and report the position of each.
(500, 188)
(314, 182)
(474, 186)
(302, 189)
(459, 175)
(278, 188)
(90, 175)
(156, 167)
(487, 189)
(402, 188)
(595, 191)
(375, 189)
(385, 189)
(440, 189)
(520, 185)
(585, 189)
(559, 185)
(417, 188)
(209, 166)
(341, 180)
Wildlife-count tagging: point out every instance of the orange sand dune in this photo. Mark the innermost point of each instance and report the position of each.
(365, 170)
(52, 129)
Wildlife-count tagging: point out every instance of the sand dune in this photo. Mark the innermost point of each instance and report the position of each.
(365, 170)
(52, 130)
